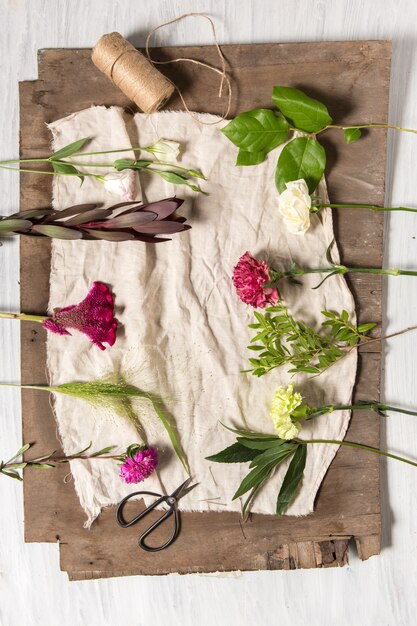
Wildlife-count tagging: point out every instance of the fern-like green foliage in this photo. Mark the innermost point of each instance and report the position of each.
(280, 340)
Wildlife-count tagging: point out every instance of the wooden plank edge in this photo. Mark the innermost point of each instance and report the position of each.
(291, 556)
(367, 546)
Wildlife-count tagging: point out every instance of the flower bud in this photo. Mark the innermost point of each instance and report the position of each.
(165, 150)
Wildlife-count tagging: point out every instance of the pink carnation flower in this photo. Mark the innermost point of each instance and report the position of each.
(139, 466)
(249, 277)
(94, 317)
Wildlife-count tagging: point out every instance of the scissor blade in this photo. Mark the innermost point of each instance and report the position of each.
(183, 489)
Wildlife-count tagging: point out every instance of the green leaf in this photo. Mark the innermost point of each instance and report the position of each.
(21, 451)
(254, 479)
(352, 134)
(261, 444)
(12, 474)
(248, 434)
(131, 164)
(57, 232)
(158, 408)
(45, 466)
(236, 453)
(16, 466)
(258, 131)
(109, 235)
(173, 177)
(292, 479)
(303, 112)
(363, 328)
(244, 157)
(10, 226)
(65, 169)
(196, 174)
(67, 151)
(301, 158)
(273, 455)
(103, 451)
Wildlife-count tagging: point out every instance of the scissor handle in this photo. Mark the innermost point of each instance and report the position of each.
(171, 511)
(119, 511)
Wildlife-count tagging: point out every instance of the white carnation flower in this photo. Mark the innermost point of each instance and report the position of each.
(284, 403)
(294, 204)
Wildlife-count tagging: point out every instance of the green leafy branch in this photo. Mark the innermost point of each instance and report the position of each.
(259, 131)
(282, 340)
(12, 467)
(265, 453)
(176, 174)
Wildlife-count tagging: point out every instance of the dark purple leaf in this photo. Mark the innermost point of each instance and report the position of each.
(32, 213)
(149, 238)
(9, 226)
(164, 208)
(161, 228)
(88, 216)
(127, 221)
(58, 232)
(158, 207)
(109, 235)
(70, 211)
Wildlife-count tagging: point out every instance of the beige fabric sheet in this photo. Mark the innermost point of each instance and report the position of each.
(183, 330)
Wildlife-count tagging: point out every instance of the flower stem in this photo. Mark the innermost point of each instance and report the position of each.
(24, 317)
(29, 171)
(361, 406)
(393, 126)
(360, 446)
(342, 269)
(372, 207)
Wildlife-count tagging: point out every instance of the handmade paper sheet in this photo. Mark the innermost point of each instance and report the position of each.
(183, 332)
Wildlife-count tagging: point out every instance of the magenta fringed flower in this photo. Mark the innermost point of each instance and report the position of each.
(94, 317)
(249, 278)
(139, 463)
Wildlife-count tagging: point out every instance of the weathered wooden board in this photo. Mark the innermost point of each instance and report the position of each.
(353, 79)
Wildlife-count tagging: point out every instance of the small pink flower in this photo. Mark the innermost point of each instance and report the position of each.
(94, 317)
(249, 277)
(138, 466)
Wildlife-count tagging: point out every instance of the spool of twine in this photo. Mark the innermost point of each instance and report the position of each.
(131, 72)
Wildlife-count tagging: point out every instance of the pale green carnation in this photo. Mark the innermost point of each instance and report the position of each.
(284, 403)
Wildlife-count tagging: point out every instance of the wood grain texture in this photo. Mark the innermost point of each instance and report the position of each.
(378, 591)
(348, 503)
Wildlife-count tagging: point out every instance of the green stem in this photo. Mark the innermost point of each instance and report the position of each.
(373, 406)
(342, 269)
(77, 154)
(372, 207)
(46, 160)
(393, 126)
(19, 169)
(360, 446)
(24, 317)
(40, 387)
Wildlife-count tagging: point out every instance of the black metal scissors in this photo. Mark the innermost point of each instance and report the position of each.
(171, 500)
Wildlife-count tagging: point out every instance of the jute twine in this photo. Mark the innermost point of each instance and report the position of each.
(131, 72)
(137, 76)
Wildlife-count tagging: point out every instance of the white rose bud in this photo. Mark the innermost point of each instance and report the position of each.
(294, 204)
(122, 184)
(165, 150)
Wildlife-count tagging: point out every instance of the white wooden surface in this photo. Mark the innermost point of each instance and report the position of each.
(379, 592)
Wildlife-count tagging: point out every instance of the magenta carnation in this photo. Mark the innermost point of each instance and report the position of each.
(249, 277)
(94, 317)
(139, 466)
